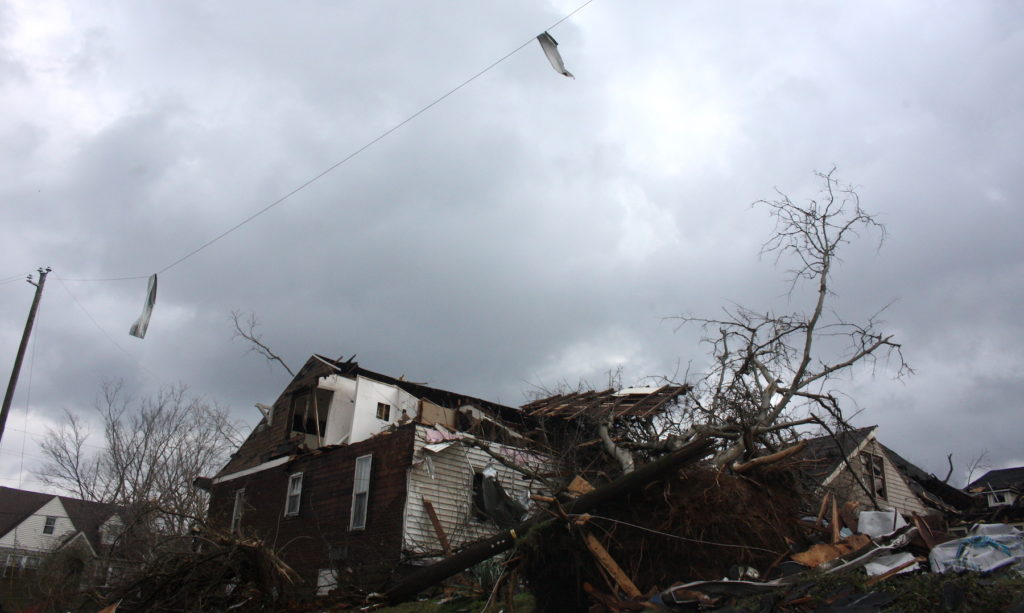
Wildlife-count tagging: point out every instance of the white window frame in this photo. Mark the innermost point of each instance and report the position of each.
(50, 525)
(360, 492)
(293, 497)
(384, 409)
(236, 512)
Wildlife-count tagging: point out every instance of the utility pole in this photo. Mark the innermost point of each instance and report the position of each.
(21, 348)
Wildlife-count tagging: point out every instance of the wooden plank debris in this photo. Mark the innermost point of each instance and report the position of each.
(605, 559)
(438, 528)
(819, 554)
(835, 522)
(823, 508)
(579, 486)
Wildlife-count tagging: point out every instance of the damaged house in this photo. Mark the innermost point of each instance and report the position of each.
(352, 474)
(856, 467)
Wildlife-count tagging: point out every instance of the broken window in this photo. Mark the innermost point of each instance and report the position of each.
(309, 411)
(236, 513)
(50, 525)
(874, 474)
(491, 502)
(291, 505)
(384, 411)
(360, 492)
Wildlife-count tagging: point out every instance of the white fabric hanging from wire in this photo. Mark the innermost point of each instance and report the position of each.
(142, 323)
(550, 47)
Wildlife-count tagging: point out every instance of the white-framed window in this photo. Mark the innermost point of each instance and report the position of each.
(236, 513)
(384, 411)
(291, 505)
(360, 492)
(50, 525)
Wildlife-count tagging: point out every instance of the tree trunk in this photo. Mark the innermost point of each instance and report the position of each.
(492, 546)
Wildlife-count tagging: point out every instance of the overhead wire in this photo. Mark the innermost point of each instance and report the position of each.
(101, 329)
(348, 157)
(13, 278)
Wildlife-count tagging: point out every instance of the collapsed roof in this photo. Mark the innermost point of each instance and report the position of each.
(629, 402)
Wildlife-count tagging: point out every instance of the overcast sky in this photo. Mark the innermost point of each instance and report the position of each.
(526, 230)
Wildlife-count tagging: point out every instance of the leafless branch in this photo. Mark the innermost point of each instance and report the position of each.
(246, 328)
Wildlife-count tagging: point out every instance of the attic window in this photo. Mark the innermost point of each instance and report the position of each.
(384, 411)
(309, 411)
(50, 525)
(874, 474)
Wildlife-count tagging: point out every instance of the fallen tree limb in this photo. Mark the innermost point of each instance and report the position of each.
(768, 459)
(481, 550)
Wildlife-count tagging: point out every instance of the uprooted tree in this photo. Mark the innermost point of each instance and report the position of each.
(770, 371)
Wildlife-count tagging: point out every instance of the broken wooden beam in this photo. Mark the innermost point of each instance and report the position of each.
(608, 562)
(823, 508)
(835, 523)
(768, 459)
(438, 528)
(481, 550)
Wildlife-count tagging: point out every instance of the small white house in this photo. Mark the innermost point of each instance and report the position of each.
(33, 524)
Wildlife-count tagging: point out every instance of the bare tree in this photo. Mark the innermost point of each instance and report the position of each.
(246, 329)
(153, 449)
(773, 371)
(770, 371)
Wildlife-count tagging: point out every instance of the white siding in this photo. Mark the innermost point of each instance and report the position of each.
(898, 493)
(29, 533)
(450, 490)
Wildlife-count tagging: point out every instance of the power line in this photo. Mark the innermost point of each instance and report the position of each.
(14, 278)
(348, 157)
(101, 329)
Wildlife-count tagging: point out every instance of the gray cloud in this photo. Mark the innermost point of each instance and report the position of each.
(527, 229)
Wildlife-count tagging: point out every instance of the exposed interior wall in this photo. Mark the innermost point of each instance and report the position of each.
(342, 410)
(368, 393)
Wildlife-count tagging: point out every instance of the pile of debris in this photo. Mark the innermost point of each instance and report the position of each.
(697, 524)
(214, 572)
(740, 544)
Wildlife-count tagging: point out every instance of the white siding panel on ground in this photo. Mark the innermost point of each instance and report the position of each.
(445, 478)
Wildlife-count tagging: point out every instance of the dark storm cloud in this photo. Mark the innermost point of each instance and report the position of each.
(529, 228)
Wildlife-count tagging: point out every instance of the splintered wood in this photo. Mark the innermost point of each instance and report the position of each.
(609, 564)
(819, 554)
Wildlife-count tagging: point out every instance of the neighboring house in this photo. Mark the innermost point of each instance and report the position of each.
(1001, 488)
(1002, 497)
(855, 466)
(338, 474)
(34, 525)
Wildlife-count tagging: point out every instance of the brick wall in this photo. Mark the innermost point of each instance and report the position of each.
(320, 532)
